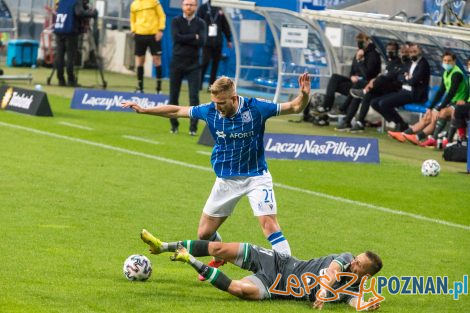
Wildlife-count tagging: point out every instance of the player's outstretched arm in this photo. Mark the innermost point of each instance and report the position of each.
(161, 110)
(298, 104)
(331, 272)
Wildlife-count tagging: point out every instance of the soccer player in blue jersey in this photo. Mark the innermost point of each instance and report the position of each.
(237, 125)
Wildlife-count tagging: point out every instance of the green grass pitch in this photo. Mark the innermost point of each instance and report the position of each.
(73, 201)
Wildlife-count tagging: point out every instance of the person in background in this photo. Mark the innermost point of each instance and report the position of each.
(217, 25)
(454, 88)
(462, 114)
(147, 25)
(415, 89)
(384, 83)
(189, 34)
(365, 66)
(70, 16)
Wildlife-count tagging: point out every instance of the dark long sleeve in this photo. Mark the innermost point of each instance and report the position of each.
(182, 37)
(202, 33)
(457, 78)
(81, 12)
(226, 29)
(421, 74)
(188, 37)
(370, 67)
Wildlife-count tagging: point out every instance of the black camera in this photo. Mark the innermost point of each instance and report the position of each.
(84, 22)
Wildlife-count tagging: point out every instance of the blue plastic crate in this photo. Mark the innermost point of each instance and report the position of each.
(22, 52)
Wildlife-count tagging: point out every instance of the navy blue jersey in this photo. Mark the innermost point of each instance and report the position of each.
(239, 147)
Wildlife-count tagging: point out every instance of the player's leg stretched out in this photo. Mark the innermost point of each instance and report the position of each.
(186, 251)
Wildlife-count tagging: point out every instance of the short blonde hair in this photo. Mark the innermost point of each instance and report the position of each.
(223, 85)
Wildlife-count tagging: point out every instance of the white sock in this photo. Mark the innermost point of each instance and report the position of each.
(279, 243)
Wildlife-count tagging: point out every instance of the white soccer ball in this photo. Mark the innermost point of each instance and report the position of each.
(137, 267)
(430, 168)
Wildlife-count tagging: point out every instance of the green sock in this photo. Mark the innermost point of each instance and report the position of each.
(213, 275)
(441, 123)
(196, 248)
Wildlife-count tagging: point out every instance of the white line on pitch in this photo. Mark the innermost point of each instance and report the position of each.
(141, 139)
(208, 169)
(75, 125)
(204, 152)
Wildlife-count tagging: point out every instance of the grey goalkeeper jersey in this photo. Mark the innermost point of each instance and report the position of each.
(317, 267)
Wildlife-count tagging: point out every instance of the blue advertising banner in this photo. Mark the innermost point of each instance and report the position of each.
(322, 148)
(91, 99)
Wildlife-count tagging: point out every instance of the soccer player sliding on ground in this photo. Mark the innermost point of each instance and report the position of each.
(275, 274)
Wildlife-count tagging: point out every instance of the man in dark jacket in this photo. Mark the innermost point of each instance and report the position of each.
(70, 16)
(415, 89)
(189, 34)
(365, 66)
(385, 83)
(216, 25)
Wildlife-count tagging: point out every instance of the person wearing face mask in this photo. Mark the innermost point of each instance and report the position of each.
(415, 89)
(365, 66)
(455, 89)
(461, 115)
(384, 83)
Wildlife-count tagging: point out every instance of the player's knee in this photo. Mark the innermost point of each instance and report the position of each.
(216, 248)
(237, 289)
(243, 290)
(202, 234)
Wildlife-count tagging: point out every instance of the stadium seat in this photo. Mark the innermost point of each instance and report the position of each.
(420, 107)
(289, 82)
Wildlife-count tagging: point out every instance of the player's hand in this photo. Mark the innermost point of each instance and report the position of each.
(159, 35)
(360, 55)
(354, 79)
(375, 306)
(305, 84)
(134, 106)
(318, 304)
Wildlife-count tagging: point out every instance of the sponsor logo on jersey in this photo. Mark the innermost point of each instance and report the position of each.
(242, 135)
(246, 117)
(220, 134)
